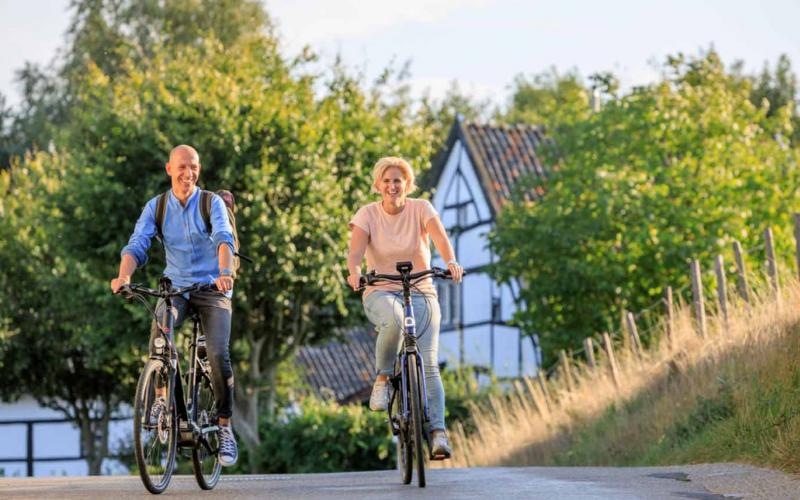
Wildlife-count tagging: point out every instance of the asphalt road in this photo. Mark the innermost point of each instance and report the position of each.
(704, 482)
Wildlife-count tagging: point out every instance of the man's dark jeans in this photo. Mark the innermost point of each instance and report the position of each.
(214, 310)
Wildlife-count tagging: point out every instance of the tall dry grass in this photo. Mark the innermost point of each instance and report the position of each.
(526, 427)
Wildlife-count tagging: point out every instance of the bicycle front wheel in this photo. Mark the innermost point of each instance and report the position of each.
(399, 427)
(155, 426)
(415, 393)
(205, 454)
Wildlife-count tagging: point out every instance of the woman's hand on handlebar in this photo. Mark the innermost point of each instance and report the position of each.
(456, 271)
(354, 280)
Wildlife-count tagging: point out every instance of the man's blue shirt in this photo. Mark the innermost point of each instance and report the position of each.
(191, 253)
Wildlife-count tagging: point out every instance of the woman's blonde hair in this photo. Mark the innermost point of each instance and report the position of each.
(392, 161)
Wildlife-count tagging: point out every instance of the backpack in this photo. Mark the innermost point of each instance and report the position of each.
(205, 212)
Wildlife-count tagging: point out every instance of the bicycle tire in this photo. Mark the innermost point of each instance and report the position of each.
(416, 417)
(404, 459)
(205, 464)
(157, 464)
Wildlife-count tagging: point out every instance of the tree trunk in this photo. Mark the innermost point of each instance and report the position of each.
(271, 377)
(246, 405)
(94, 436)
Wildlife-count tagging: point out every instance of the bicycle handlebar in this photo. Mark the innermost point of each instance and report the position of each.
(137, 288)
(372, 277)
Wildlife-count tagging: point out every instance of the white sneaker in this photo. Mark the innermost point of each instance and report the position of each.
(440, 447)
(228, 450)
(379, 399)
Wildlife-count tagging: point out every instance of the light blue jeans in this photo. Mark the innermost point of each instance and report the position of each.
(385, 310)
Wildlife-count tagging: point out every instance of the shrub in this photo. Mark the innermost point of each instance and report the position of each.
(326, 437)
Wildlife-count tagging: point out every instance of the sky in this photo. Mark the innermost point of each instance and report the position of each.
(481, 44)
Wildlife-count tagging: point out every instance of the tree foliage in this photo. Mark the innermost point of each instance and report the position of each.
(59, 341)
(550, 98)
(667, 173)
(295, 147)
(779, 90)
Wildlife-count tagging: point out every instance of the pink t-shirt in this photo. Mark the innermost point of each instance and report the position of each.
(395, 238)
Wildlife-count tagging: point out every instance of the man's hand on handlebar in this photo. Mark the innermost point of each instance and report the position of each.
(224, 283)
(116, 283)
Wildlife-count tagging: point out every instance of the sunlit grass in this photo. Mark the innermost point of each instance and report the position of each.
(732, 396)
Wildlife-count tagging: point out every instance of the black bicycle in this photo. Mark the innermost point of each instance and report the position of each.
(165, 418)
(409, 418)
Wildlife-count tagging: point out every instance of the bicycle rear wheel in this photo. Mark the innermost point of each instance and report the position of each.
(154, 427)
(205, 459)
(416, 417)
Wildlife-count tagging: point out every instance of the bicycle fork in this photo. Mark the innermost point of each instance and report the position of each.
(410, 347)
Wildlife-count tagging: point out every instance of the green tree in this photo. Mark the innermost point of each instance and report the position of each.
(56, 343)
(440, 114)
(667, 173)
(111, 34)
(779, 90)
(551, 99)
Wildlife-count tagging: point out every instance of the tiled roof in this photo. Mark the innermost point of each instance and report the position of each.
(344, 369)
(499, 153)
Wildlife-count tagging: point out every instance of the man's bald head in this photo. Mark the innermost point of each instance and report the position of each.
(184, 169)
(183, 150)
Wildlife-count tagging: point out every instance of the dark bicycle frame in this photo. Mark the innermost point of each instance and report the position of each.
(409, 340)
(168, 354)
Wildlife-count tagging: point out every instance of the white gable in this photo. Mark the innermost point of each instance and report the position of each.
(458, 184)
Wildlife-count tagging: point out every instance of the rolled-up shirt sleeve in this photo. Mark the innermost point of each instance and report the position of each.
(221, 230)
(361, 219)
(428, 212)
(139, 242)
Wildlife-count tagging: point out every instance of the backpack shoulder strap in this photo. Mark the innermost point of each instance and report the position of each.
(205, 208)
(161, 213)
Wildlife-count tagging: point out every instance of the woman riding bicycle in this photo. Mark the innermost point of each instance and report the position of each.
(397, 228)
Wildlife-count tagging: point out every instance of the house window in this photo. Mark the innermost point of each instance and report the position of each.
(449, 303)
(497, 310)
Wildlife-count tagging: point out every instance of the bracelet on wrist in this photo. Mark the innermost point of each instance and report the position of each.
(452, 261)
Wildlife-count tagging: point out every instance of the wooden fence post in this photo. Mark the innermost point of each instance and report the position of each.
(588, 350)
(543, 386)
(636, 344)
(797, 242)
(567, 369)
(612, 362)
(772, 264)
(670, 321)
(697, 294)
(741, 273)
(722, 288)
(534, 394)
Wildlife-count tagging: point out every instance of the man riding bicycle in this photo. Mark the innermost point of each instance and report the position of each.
(193, 256)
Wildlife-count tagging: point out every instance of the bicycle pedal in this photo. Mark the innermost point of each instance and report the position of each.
(443, 456)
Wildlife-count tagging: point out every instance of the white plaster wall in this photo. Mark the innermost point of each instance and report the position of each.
(439, 201)
(506, 353)
(477, 299)
(448, 348)
(529, 360)
(478, 346)
(51, 440)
